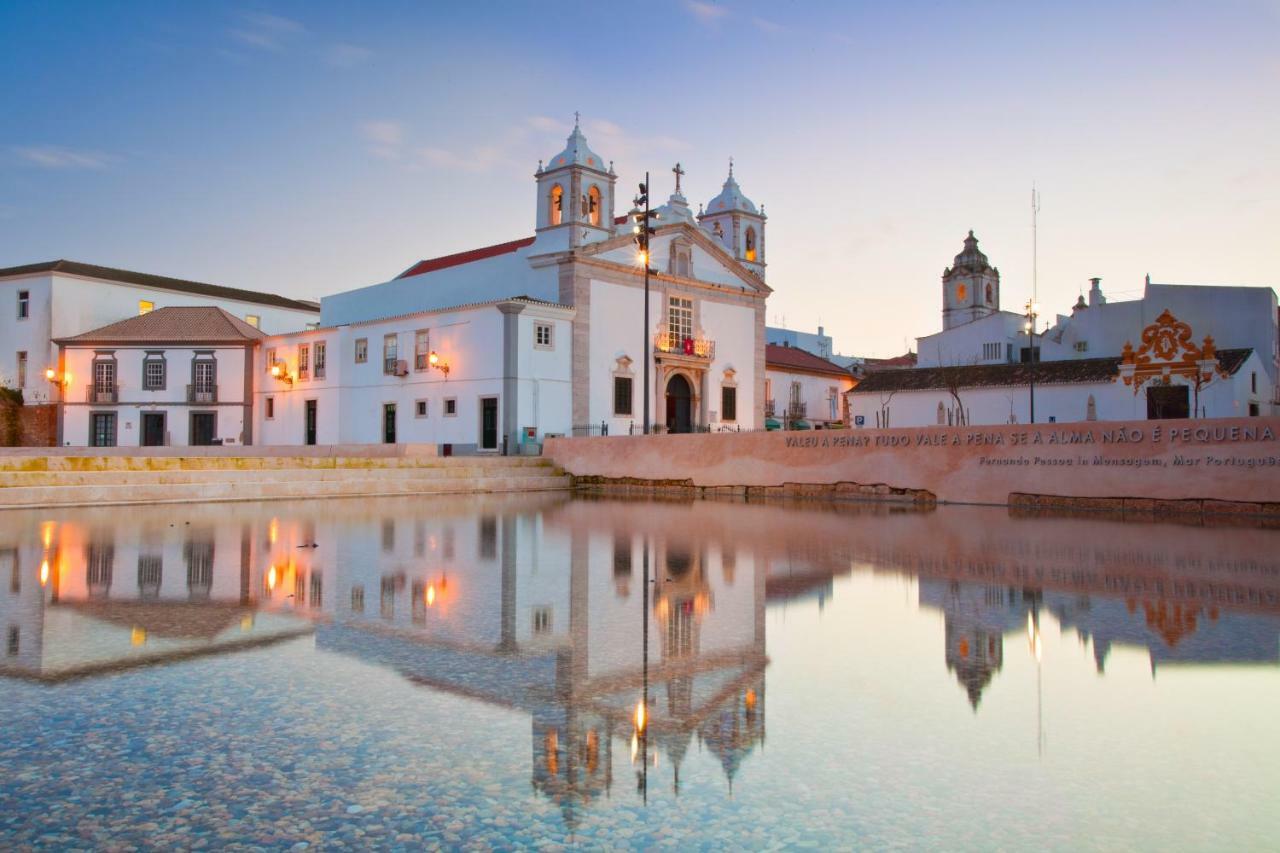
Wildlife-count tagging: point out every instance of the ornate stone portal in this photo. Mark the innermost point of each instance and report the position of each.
(1167, 351)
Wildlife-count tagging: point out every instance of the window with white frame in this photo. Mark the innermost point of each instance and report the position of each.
(1082, 346)
(253, 320)
(420, 409)
(679, 319)
(450, 406)
(270, 358)
(421, 349)
(304, 361)
(204, 374)
(728, 403)
(390, 353)
(992, 351)
(321, 356)
(622, 395)
(24, 304)
(542, 335)
(153, 372)
(104, 375)
(22, 370)
(362, 350)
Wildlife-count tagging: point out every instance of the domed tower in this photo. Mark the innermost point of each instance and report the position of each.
(575, 197)
(970, 287)
(733, 220)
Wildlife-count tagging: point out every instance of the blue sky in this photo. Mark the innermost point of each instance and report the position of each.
(308, 147)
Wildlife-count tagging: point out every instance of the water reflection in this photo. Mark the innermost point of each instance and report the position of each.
(630, 635)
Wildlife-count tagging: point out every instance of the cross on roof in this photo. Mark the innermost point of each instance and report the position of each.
(678, 172)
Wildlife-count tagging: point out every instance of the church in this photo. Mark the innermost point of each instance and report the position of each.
(486, 350)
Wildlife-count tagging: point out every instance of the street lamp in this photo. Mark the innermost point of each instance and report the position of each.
(643, 231)
(1029, 329)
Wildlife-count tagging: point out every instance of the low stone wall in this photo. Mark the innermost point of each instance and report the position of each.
(1221, 464)
(28, 426)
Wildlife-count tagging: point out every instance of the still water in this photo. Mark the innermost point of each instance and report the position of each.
(409, 673)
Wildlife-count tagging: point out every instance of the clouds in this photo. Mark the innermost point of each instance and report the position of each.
(265, 33)
(708, 14)
(57, 157)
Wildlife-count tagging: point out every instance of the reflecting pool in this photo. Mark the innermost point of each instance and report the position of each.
(404, 673)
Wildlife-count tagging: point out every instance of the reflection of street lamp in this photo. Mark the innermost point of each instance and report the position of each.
(1036, 647)
(1029, 329)
(643, 231)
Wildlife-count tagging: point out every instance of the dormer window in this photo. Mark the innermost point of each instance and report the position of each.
(556, 205)
(593, 205)
(750, 245)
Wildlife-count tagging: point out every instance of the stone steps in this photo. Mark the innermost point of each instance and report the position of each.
(276, 488)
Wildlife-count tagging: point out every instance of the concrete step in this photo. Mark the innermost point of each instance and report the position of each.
(94, 479)
(244, 489)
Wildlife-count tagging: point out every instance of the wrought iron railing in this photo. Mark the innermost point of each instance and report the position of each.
(676, 345)
(103, 394)
(202, 394)
(770, 407)
(796, 409)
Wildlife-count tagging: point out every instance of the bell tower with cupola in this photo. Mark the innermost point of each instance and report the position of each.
(970, 287)
(575, 197)
(733, 221)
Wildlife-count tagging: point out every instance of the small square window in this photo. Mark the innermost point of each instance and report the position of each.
(542, 335)
(269, 407)
(145, 306)
(420, 408)
(450, 407)
(362, 350)
(253, 320)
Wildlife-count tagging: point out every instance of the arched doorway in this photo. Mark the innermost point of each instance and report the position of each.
(679, 405)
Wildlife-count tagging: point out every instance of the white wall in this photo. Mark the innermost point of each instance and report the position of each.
(134, 400)
(815, 393)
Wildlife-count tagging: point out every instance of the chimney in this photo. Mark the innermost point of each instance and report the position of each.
(1095, 293)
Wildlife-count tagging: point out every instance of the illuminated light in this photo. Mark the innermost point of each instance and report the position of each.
(44, 573)
(635, 746)
(434, 357)
(431, 594)
(137, 636)
(641, 716)
(1034, 640)
(276, 371)
(50, 374)
(642, 257)
(750, 699)
(1026, 327)
(46, 534)
(246, 622)
(273, 531)
(1035, 308)
(272, 577)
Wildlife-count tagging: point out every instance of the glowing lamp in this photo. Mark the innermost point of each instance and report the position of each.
(51, 374)
(434, 359)
(44, 573)
(641, 716)
(431, 594)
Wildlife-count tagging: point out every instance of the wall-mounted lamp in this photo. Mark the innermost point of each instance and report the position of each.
(51, 373)
(280, 371)
(438, 363)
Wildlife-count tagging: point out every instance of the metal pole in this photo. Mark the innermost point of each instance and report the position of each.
(647, 349)
(644, 620)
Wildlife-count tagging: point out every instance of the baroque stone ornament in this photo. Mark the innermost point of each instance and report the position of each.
(1167, 350)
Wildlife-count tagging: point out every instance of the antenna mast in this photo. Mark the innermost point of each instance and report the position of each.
(1035, 209)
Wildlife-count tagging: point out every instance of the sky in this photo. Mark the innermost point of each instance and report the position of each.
(306, 148)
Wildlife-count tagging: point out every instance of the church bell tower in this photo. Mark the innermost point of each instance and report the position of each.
(735, 223)
(970, 287)
(575, 197)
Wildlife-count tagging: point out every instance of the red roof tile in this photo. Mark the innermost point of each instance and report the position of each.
(177, 324)
(460, 258)
(793, 358)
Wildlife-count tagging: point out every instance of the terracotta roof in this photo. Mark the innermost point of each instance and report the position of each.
(909, 359)
(433, 264)
(780, 357)
(1064, 372)
(178, 324)
(161, 282)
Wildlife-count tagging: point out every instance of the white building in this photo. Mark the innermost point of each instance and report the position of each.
(1179, 351)
(59, 299)
(803, 390)
(173, 376)
(705, 332)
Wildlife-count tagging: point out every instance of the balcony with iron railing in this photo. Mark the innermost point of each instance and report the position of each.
(770, 407)
(796, 410)
(100, 393)
(702, 348)
(202, 393)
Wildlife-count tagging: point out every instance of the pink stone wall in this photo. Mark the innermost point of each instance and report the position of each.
(1230, 459)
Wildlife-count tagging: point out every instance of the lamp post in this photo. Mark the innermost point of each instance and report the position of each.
(643, 231)
(1029, 328)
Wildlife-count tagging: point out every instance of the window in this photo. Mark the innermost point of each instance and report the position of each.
(153, 372)
(311, 327)
(833, 403)
(421, 349)
(750, 244)
(269, 407)
(593, 205)
(102, 429)
(555, 211)
(104, 378)
(542, 620)
(989, 294)
(145, 306)
(390, 353)
(271, 358)
(253, 320)
(488, 537)
(14, 641)
(199, 557)
(357, 599)
(679, 319)
(450, 406)
(204, 375)
(304, 361)
(728, 403)
(1253, 380)
(24, 304)
(317, 589)
(1082, 346)
(22, 370)
(622, 393)
(321, 356)
(542, 335)
(420, 409)
(992, 351)
(362, 350)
